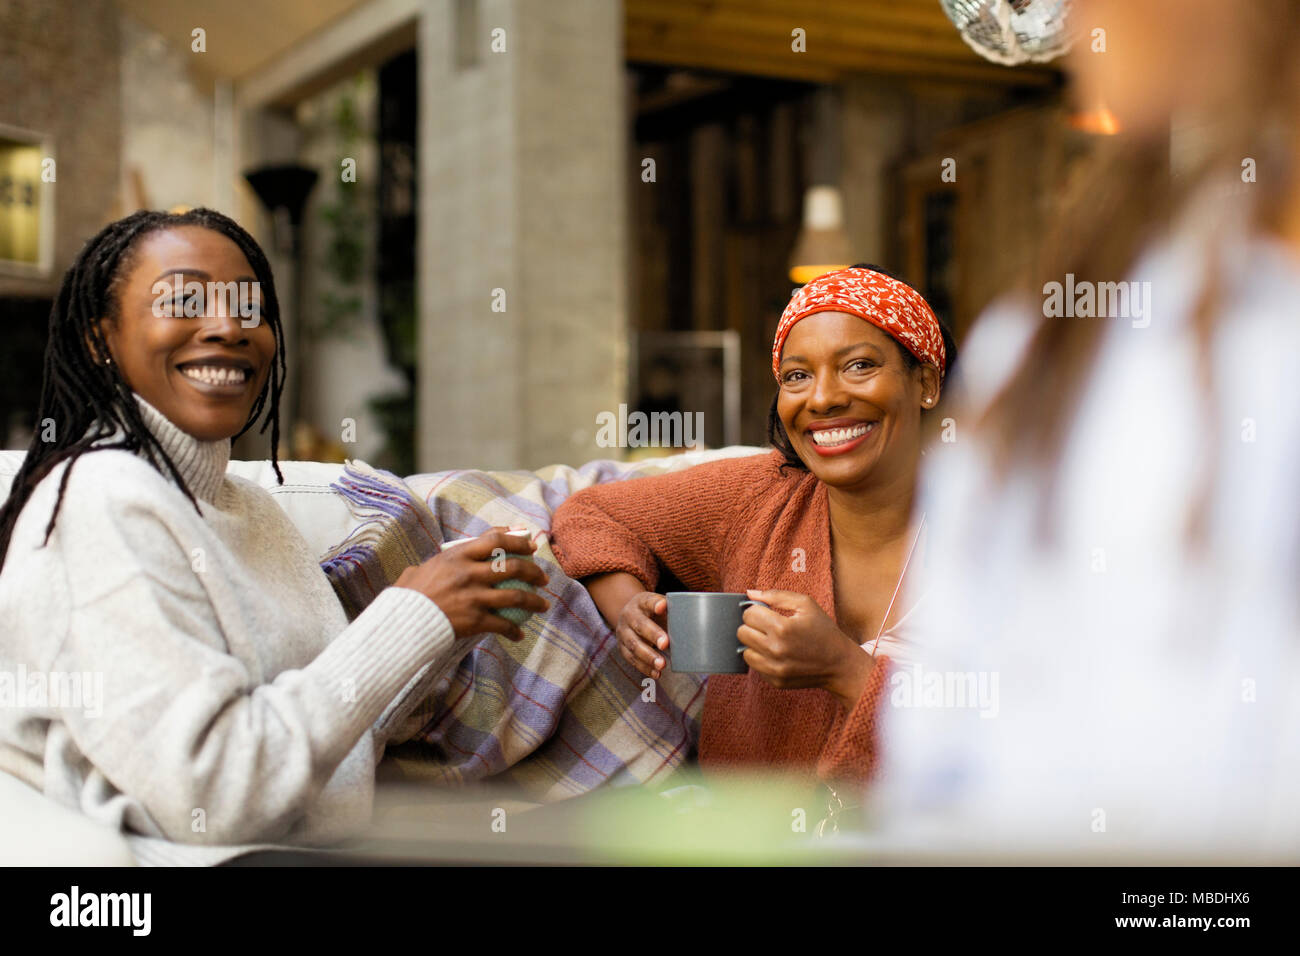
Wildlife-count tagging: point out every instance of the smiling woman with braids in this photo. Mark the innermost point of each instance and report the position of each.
(821, 529)
(238, 706)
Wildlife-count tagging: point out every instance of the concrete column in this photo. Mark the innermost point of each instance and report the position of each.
(522, 274)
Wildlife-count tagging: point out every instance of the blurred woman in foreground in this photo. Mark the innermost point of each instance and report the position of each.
(1120, 541)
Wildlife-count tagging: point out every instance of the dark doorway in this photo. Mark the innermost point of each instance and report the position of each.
(21, 363)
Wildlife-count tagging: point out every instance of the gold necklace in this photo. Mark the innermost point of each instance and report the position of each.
(835, 805)
(875, 644)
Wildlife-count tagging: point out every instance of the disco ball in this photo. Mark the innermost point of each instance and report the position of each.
(1012, 31)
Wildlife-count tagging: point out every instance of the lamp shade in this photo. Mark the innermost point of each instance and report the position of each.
(283, 187)
(822, 246)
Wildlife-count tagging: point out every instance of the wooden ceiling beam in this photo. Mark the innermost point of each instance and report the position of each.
(806, 70)
(778, 30)
(920, 14)
(657, 44)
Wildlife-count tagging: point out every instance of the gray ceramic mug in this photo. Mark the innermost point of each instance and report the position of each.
(702, 629)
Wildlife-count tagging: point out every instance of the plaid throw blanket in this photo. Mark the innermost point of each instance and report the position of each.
(558, 713)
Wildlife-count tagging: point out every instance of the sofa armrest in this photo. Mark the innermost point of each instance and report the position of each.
(37, 831)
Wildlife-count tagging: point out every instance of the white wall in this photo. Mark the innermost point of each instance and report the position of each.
(167, 123)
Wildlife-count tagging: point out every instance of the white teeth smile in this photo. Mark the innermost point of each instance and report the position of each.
(826, 437)
(216, 374)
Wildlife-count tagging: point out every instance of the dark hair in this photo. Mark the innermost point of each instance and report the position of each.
(77, 392)
(776, 431)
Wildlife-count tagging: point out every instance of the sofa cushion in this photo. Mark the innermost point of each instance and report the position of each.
(306, 497)
(37, 831)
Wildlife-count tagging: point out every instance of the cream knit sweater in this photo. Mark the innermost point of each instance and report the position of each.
(192, 680)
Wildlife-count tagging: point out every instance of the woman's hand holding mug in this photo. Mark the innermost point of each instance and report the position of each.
(642, 633)
(793, 643)
(463, 581)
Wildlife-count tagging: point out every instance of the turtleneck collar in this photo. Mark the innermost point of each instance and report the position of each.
(201, 463)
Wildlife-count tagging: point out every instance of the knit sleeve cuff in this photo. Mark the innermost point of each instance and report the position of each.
(583, 555)
(374, 659)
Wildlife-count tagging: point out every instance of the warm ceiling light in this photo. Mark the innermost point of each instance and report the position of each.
(823, 245)
(1099, 121)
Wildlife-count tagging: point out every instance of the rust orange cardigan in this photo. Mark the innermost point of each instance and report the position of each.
(732, 525)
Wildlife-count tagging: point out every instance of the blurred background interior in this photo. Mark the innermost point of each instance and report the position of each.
(559, 207)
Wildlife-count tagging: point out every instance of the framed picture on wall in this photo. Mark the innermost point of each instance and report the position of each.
(27, 172)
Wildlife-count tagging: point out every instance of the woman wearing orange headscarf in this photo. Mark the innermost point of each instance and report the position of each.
(821, 529)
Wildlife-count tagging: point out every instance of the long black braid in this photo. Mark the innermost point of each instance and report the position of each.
(78, 392)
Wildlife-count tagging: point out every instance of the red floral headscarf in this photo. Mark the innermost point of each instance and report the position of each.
(886, 303)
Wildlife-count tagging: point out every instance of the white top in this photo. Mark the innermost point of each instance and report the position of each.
(1120, 689)
(220, 696)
